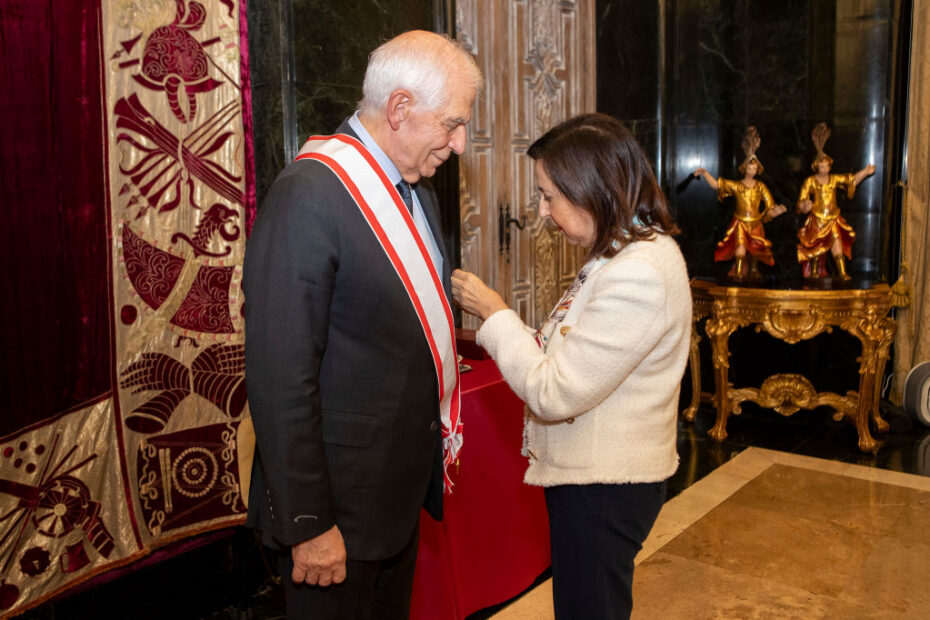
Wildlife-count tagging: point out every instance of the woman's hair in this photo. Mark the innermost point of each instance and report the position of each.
(417, 61)
(597, 164)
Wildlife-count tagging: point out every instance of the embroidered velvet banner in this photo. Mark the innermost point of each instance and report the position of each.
(127, 187)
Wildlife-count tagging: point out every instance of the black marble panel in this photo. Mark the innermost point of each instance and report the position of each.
(264, 23)
(863, 44)
(770, 11)
(628, 59)
(821, 52)
(647, 133)
(330, 49)
(701, 219)
(748, 61)
(332, 41)
(782, 66)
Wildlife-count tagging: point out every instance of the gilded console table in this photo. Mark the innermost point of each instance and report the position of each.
(792, 316)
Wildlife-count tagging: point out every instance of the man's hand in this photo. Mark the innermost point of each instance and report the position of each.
(320, 561)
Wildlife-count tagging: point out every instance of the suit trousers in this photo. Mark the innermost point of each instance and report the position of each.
(378, 590)
(596, 530)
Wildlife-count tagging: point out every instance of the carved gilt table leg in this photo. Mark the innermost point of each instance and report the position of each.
(867, 387)
(694, 360)
(875, 331)
(719, 330)
(888, 328)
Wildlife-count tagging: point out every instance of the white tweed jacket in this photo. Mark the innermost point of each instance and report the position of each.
(604, 395)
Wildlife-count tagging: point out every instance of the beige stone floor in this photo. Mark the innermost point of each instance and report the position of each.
(777, 535)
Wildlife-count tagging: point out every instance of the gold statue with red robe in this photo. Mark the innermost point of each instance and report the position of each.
(745, 234)
(825, 230)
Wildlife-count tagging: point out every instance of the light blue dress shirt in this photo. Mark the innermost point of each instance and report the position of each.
(394, 176)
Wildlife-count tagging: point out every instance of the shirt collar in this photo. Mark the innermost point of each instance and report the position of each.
(383, 160)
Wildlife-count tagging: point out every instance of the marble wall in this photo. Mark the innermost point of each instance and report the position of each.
(308, 59)
(690, 76)
(267, 48)
(332, 41)
(630, 61)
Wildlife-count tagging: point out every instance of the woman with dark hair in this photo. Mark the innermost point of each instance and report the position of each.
(601, 376)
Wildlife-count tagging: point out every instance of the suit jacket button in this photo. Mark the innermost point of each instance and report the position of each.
(434, 426)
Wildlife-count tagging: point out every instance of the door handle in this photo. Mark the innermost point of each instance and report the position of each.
(503, 228)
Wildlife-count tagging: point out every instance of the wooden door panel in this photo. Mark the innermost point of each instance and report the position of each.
(537, 57)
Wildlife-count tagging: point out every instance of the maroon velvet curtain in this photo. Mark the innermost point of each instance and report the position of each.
(53, 274)
(82, 489)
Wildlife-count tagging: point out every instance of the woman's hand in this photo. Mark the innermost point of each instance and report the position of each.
(473, 296)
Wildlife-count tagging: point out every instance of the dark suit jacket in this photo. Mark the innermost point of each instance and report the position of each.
(341, 383)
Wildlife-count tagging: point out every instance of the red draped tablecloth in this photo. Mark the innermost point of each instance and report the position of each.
(493, 541)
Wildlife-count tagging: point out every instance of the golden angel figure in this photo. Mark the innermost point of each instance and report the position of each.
(825, 230)
(746, 233)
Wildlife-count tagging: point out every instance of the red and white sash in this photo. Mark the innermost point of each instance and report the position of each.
(393, 226)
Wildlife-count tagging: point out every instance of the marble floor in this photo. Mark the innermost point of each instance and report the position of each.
(785, 518)
(805, 527)
(778, 535)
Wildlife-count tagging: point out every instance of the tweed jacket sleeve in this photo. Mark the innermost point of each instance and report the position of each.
(617, 319)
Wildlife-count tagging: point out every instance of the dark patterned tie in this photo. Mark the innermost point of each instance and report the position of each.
(404, 188)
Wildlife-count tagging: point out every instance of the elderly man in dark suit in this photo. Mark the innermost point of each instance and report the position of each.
(350, 355)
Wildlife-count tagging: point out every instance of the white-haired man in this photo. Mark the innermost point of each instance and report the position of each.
(350, 356)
